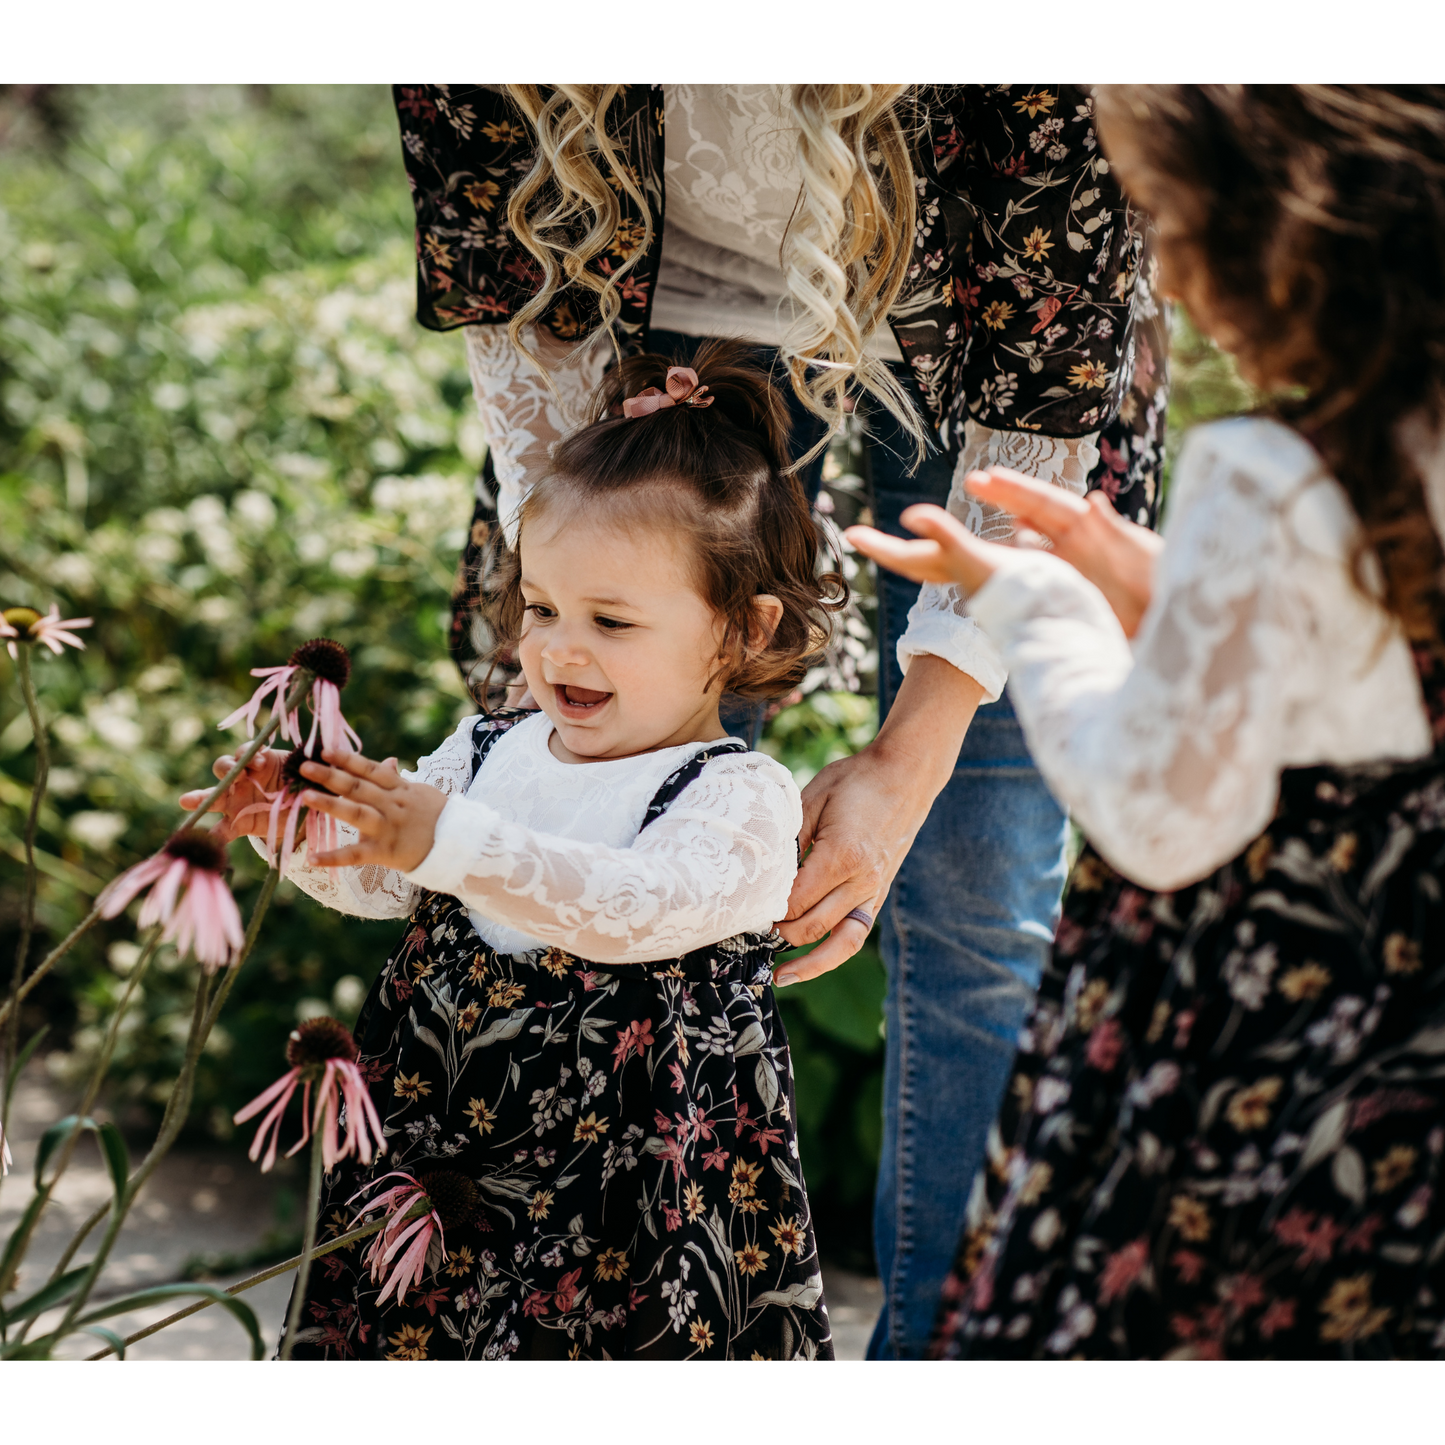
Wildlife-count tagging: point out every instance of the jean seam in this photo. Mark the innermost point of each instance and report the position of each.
(903, 1237)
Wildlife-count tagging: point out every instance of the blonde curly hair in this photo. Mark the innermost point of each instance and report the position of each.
(845, 252)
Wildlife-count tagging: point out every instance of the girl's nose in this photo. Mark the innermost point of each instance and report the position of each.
(562, 653)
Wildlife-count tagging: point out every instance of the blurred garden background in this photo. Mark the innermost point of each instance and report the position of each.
(221, 433)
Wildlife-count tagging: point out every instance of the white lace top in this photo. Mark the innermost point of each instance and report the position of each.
(549, 853)
(1256, 654)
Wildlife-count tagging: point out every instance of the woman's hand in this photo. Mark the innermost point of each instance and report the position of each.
(262, 775)
(1115, 554)
(396, 819)
(861, 815)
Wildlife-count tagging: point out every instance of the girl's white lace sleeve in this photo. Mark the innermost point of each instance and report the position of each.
(372, 891)
(523, 417)
(1256, 653)
(720, 861)
(938, 623)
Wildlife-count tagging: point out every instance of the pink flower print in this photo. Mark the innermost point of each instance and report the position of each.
(190, 898)
(633, 1039)
(1122, 1269)
(1106, 1043)
(1279, 1316)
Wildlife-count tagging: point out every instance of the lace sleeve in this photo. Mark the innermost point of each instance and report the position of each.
(522, 416)
(373, 891)
(938, 622)
(1256, 653)
(720, 861)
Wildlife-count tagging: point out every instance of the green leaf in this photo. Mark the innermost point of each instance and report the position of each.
(19, 1234)
(54, 1137)
(23, 1058)
(846, 1004)
(237, 1307)
(117, 1159)
(110, 1337)
(43, 1299)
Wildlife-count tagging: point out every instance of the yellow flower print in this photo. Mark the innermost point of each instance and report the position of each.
(468, 1017)
(1157, 1022)
(611, 1264)
(556, 961)
(1349, 1310)
(541, 1203)
(750, 1259)
(1309, 980)
(1037, 244)
(997, 314)
(1089, 875)
(438, 251)
(478, 971)
(745, 1178)
(692, 1201)
(627, 238)
(480, 1117)
(1249, 1108)
(1089, 373)
(1034, 102)
(1342, 855)
(589, 1130)
(504, 994)
(1190, 1218)
(700, 1333)
(1256, 860)
(1402, 955)
(504, 133)
(410, 1343)
(684, 1057)
(410, 1088)
(1090, 1004)
(1038, 1179)
(482, 193)
(459, 1261)
(788, 1236)
(1394, 1168)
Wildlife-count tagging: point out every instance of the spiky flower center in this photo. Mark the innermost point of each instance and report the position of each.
(325, 659)
(198, 849)
(317, 1040)
(23, 618)
(292, 779)
(454, 1197)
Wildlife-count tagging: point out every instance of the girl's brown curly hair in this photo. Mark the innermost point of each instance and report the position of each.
(1315, 215)
(714, 475)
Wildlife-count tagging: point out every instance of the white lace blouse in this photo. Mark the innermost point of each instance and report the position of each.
(1257, 653)
(543, 852)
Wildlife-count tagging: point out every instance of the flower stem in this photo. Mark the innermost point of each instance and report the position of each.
(308, 1244)
(340, 1242)
(204, 1013)
(27, 917)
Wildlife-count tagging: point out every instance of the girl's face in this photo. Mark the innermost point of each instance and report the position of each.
(616, 645)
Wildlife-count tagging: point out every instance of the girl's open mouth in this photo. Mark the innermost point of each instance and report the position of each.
(578, 702)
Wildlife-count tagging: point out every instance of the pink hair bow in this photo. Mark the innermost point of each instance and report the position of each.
(682, 390)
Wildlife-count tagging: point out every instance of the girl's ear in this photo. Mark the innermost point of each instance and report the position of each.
(767, 613)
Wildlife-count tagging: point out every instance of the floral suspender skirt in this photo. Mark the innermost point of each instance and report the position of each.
(611, 1149)
(1224, 1132)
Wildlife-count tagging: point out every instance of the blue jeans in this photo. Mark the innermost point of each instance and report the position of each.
(965, 933)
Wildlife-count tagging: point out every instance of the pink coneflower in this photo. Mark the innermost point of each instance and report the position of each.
(321, 1052)
(25, 623)
(330, 666)
(447, 1198)
(206, 920)
(286, 803)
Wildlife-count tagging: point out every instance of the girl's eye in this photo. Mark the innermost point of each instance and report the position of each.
(540, 611)
(611, 624)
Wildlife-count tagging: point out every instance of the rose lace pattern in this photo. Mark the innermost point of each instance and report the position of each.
(523, 417)
(938, 622)
(544, 853)
(1257, 653)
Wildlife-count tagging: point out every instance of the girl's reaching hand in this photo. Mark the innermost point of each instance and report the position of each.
(262, 775)
(949, 553)
(396, 819)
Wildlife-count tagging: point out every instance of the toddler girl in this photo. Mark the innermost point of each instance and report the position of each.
(1226, 1127)
(574, 1047)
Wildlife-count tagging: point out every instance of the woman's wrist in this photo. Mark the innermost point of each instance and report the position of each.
(925, 727)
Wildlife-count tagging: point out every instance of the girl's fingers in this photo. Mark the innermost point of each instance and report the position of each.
(359, 766)
(362, 817)
(918, 561)
(344, 784)
(968, 561)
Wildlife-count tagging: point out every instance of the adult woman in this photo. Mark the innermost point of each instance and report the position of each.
(959, 257)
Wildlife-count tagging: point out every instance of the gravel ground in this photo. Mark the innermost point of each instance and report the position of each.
(209, 1201)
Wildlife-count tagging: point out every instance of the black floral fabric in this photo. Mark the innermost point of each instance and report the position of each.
(1224, 1132)
(612, 1148)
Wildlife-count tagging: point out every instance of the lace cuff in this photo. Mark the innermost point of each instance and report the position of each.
(938, 623)
(522, 416)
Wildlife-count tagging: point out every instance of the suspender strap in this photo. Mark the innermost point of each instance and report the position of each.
(686, 775)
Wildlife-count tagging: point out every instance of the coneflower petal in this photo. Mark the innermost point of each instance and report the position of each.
(117, 894)
(160, 904)
(286, 1084)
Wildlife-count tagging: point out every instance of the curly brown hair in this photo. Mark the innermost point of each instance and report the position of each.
(1312, 229)
(716, 475)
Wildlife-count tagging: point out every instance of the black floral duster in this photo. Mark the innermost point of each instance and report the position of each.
(1225, 1128)
(611, 1149)
(1029, 305)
